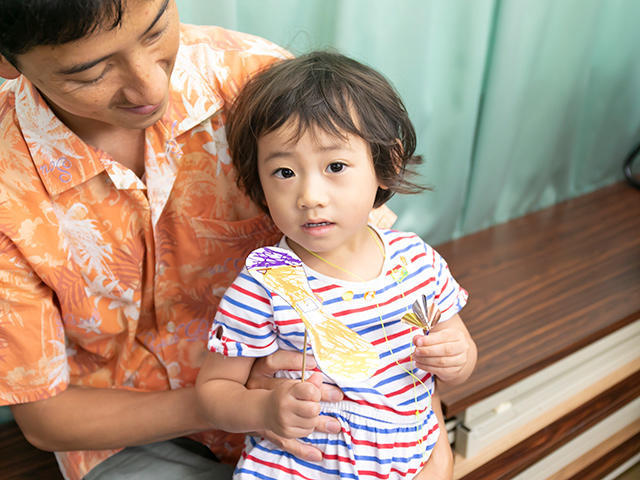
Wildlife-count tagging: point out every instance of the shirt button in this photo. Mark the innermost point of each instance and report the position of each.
(171, 327)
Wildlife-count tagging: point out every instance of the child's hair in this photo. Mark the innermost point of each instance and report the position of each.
(336, 94)
(25, 24)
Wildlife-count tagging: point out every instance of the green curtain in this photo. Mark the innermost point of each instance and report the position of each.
(518, 104)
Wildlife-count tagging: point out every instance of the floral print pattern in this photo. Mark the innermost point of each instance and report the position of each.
(107, 280)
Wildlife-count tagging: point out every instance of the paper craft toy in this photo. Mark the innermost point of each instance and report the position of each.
(340, 352)
(421, 316)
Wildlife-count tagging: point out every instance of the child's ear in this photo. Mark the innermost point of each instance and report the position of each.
(7, 70)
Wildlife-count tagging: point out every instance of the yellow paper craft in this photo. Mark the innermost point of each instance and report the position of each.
(340, 352)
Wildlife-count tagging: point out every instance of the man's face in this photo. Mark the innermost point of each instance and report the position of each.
(111, 78)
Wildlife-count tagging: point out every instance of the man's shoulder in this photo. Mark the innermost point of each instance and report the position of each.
(10, 133)
(224, 40)
(222, 60)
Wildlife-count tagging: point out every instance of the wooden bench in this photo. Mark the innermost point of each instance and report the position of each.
(543, 287)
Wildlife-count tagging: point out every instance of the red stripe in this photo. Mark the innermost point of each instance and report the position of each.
(340, 458)
(380, 406)
(443, 288)
(289, 322)
(250, 294)
(391, 300)
(275, 466)
(397, 239)
(407, 387)
(242, 320)
(326, 288)
(420, 255)
(391, 337)
(230, 340)
(386, 446)
(392, 364)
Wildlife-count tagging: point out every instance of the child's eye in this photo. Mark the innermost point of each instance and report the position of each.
(336, 167)
(284, 173)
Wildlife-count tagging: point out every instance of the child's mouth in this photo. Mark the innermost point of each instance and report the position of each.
(317, 224)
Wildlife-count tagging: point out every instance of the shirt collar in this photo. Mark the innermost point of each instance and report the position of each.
(63, 160)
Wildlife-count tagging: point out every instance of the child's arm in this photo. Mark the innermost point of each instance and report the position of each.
(290, 410)
(448, 351)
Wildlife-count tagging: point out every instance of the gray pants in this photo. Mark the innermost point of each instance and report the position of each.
(181, 458)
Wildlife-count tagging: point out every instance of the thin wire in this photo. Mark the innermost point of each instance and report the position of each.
(384, 331)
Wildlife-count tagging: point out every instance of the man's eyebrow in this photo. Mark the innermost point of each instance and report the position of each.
(163, 9)
(81, 67)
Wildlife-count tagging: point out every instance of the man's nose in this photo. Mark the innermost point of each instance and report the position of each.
(146, 82)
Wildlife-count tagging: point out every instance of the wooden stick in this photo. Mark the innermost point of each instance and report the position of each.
(304, 354)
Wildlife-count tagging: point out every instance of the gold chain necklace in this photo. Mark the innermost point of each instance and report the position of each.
(414, 378)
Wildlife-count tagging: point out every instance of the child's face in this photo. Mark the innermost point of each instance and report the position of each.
(320, 189)
(118, 77)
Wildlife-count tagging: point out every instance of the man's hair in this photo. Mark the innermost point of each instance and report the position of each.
(336, 94)
(25, 24)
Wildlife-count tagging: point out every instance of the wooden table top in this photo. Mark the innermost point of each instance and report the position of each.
(545, 285)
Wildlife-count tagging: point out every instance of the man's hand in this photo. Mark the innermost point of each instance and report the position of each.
(382, 217)
(447, 352)
(262, 376)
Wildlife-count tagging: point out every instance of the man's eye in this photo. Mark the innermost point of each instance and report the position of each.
(92, 81)
(336, 167)
(284, 173)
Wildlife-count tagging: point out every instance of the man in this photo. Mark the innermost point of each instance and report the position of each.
(120, 227)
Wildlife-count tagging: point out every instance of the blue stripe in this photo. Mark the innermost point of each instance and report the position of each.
(391, 351)
(422, 396)
(245, 275)
(408, 247)
(388, 380)
(244, 306)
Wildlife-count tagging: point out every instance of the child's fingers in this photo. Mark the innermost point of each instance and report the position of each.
(264, 369)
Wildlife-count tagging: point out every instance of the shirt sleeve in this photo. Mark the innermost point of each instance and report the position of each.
(33, 361)
(243, 325)
(450, 297)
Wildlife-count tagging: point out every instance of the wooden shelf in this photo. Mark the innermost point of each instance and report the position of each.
(549, 438)
(545, 285)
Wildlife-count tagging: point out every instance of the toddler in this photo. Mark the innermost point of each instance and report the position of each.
(318, 141)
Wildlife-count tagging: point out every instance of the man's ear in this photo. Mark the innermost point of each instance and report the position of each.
(7, 70)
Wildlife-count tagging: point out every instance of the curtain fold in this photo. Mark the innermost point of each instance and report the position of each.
(517, 104)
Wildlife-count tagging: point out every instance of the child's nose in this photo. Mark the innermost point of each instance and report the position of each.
(312, 196)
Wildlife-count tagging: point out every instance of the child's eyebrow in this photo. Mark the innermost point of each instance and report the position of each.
(81, 67)
(319, 149)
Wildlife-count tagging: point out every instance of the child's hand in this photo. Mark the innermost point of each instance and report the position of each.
(293, 407)
(447, 352)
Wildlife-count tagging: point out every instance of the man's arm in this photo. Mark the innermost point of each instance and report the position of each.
(90, 418)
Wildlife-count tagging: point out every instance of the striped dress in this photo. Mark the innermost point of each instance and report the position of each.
(388, 427)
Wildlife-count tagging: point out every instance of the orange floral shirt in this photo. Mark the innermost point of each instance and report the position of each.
(108, 281)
